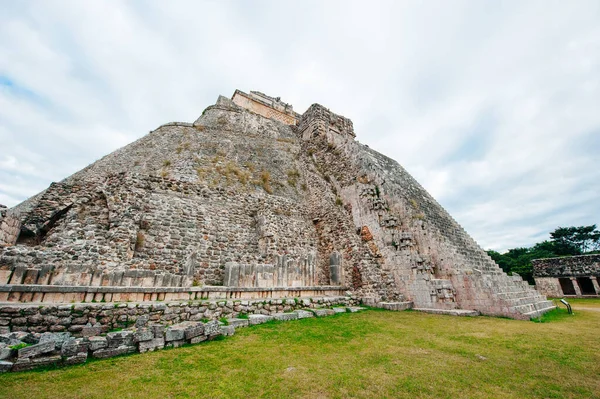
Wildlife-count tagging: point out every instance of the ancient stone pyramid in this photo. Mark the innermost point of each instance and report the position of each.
(251, 200)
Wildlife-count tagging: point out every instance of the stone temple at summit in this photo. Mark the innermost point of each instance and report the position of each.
(252, 200)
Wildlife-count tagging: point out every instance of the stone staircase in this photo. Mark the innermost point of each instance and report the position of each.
(516, 295)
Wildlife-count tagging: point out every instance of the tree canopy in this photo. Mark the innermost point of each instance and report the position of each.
(564, 241)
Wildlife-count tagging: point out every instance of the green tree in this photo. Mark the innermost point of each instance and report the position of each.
(564, 241)
(575, 240)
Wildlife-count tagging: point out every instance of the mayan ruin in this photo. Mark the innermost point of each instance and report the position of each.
(250, 201)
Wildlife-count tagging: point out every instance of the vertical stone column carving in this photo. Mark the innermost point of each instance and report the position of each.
(335, 268)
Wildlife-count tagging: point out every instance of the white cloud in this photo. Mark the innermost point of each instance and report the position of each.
(492, 106)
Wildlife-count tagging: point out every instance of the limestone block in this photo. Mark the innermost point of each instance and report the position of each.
(212, 328)
(227, 330)
(198, 339)
(339, 310)
(143, 334)
(36, 350)
(285, 316)
(89, 331)
(30, 364)
(111, 352)
(255, 319)
(175, 333)
(119, 338)
(323, 312)
(58, 338)
(5, 352)
(96, 343)
(193, 329)
(152, 345)
(74, 346)
(303, 314)
(5, 366)
(237, 323)
(76, 359)
(142, 321)
(158, 330)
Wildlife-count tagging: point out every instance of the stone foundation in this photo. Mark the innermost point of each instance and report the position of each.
(82, 294)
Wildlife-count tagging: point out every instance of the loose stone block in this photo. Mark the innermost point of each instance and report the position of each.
(285, 316)
(158, 330)
(5, 366)
(119, 338)
(74, 346)
(144, 334)
(198, 339)
(111, 352)
(36, 350)
(30, 364)
(236, 323)
(58, 338)
(175, 333)
(152, 345)
(339, 310)
(193, 330)
(255, 319)
(212, 328)
(76, 359)
(5, 352)
(227, 330)
(96, 343)
(323, 312)
(303, 314)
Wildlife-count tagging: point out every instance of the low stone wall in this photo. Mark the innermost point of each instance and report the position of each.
(87, 319)
(20, 350)
(81, 294)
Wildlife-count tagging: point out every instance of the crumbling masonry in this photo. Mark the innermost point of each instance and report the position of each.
(250, 201)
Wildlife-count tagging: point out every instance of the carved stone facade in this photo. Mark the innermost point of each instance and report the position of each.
(250, 199)
(577, 276)
(269, 107)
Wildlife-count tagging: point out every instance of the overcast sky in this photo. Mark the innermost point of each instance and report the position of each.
(493, 106)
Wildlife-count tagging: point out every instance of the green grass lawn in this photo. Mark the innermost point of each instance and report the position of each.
(370, 354)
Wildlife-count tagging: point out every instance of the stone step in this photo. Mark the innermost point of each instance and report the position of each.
(537, 313)
(532, 307)
(525, 300)
(450, 312)
(514, 294)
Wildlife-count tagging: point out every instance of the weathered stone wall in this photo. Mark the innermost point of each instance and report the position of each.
(549, 286)
(103, 317)
(568, 266)
(10, 226)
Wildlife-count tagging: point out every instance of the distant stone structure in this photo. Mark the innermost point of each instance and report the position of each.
(577, 276)
(269, 107)
(252, 200)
